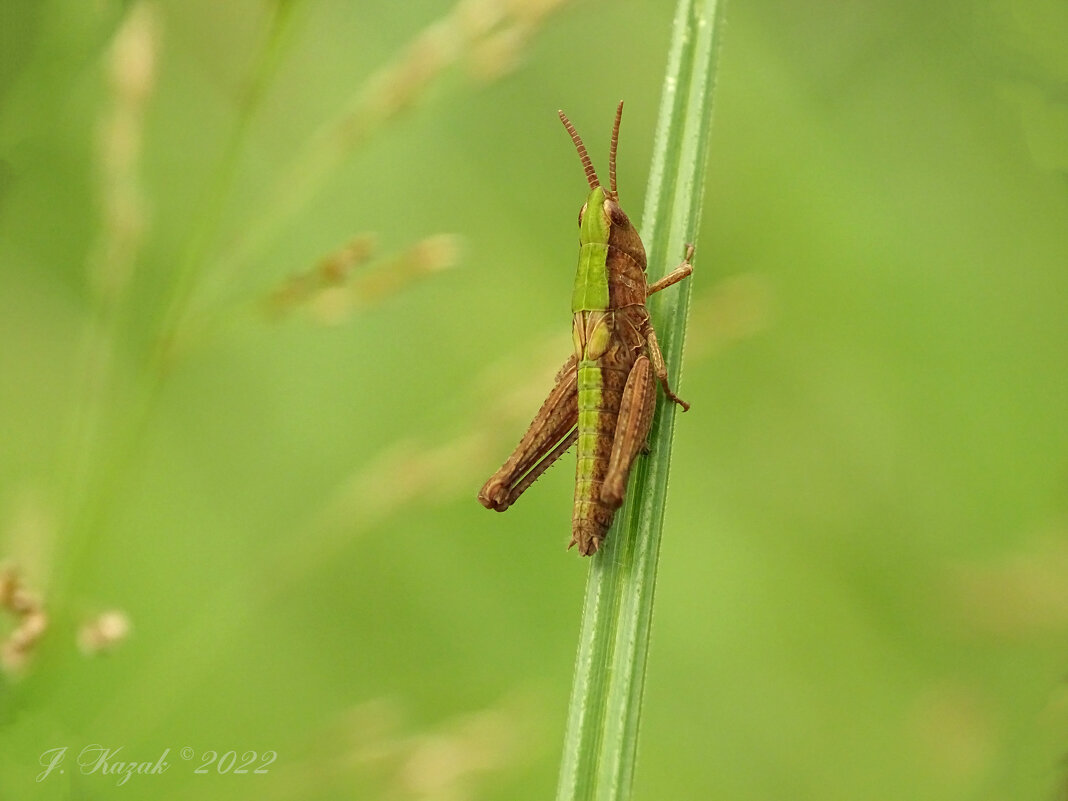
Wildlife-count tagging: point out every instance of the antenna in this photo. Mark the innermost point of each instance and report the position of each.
(612, 153)
(587, 165)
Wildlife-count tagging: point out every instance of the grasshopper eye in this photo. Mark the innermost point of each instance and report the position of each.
(582, 213)
(615, 214)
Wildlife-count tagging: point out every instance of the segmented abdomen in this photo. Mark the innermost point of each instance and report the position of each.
(600, 392)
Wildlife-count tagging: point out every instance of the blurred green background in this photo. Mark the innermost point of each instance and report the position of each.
(863, 587)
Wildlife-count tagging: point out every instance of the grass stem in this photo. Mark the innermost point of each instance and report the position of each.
(600, 746)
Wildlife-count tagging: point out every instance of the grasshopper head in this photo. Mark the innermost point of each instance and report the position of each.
(595, 225)
(622, 234)
(611, 224)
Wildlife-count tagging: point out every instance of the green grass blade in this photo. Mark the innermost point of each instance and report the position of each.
(600, 746)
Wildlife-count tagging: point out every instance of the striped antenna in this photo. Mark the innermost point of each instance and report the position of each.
(612, 153)
(587, 165)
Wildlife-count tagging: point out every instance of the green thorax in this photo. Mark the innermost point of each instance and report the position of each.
(591, 280)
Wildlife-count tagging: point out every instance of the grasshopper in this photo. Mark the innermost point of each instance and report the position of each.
(604, 395)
